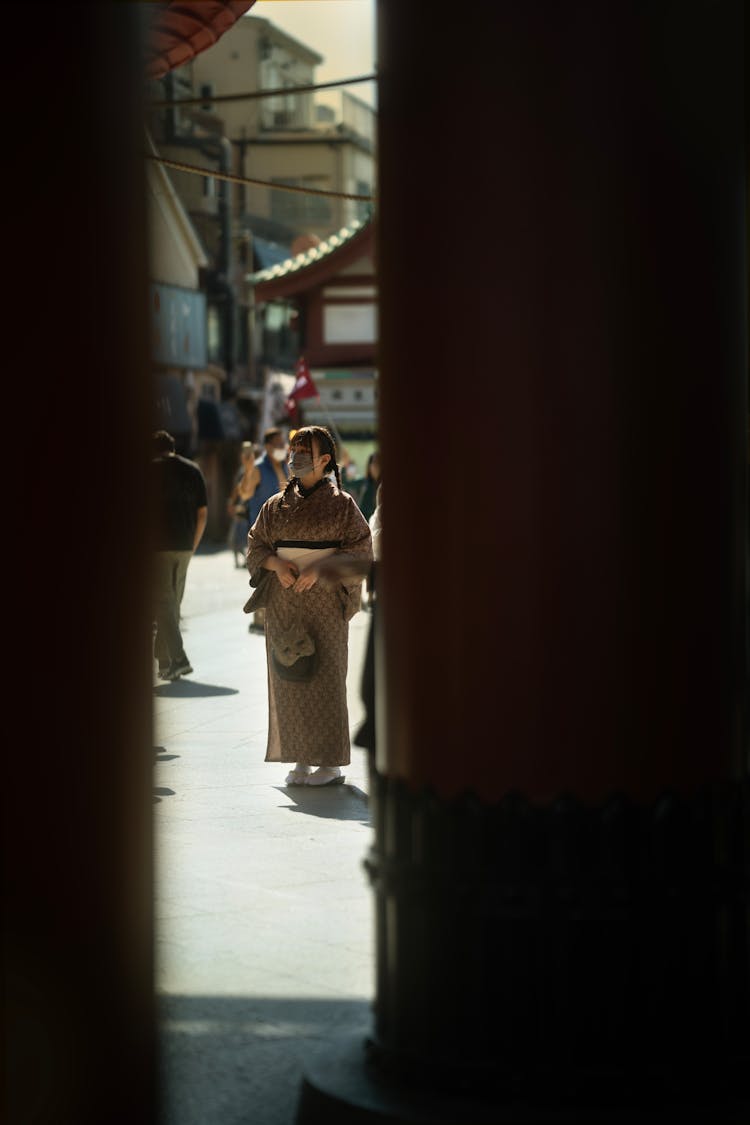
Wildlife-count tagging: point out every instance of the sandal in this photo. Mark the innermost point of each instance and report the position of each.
(297, 776)
(326, 775)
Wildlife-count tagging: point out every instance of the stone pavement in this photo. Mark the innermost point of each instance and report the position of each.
(264, 915)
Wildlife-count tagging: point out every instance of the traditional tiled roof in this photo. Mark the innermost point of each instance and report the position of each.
(177, 32)
(312, 256)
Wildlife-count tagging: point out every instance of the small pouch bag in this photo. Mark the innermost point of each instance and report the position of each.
(293, 653)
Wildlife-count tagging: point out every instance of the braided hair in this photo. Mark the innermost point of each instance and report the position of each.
(326, 444)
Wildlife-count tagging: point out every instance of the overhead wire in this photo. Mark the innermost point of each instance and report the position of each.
(246, 180)
(233, 179)
(205, 99)
(209, 99)
(172, 103)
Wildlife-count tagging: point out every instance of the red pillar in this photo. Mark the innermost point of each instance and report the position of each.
(563, 397)
(560, 791)
(78, 755)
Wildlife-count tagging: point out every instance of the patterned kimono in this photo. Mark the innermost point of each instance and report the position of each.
(308, 722)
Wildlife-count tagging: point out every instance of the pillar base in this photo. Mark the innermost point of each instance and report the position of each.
(578, 953)
(339, 1087)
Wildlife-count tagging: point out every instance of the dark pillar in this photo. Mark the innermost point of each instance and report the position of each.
(560, 796)
(78, 754)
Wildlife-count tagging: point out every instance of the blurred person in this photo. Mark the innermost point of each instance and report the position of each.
(376, 526)
(308, 551)
(347, 468)
(364, 489)
(364, 492)
(181, 503)
(269, 474)
(237, 507)
(334, 569)
(365, 734)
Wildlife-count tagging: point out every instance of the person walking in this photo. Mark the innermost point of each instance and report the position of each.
(269, 475)
(308, 550)
(181, 504)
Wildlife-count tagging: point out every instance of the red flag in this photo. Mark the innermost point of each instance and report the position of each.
(304, 386)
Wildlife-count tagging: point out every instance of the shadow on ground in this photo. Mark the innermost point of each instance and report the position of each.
(187, 689)
(337, 802)
(234, 1060)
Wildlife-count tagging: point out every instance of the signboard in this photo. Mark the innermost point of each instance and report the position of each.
(178, 326)
(349, 324)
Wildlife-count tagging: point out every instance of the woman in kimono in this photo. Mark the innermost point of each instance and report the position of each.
(307, 553)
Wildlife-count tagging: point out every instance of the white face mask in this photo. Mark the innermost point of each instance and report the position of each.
(301, 463)
(279, 455)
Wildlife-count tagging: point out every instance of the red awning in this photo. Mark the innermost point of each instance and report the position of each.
(177, 32)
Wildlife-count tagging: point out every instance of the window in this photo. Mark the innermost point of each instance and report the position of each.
(213, 332)
(362, 207)
(293, 208)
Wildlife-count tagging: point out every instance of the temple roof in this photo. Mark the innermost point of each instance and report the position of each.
(317, 258)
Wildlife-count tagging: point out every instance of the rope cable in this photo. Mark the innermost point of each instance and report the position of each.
(171, 103)
(232, 179)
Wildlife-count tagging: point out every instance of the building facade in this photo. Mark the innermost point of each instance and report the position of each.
(323, 303)
(187, 379)
(321, 148)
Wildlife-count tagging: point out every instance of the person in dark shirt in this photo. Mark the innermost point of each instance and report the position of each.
(181, 504)
(364, 489)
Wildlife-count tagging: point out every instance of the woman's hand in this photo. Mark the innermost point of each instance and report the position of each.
(342, 568)
(306, 580)
(286, 571)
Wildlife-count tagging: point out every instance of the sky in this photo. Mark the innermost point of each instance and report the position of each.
(342, 31)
